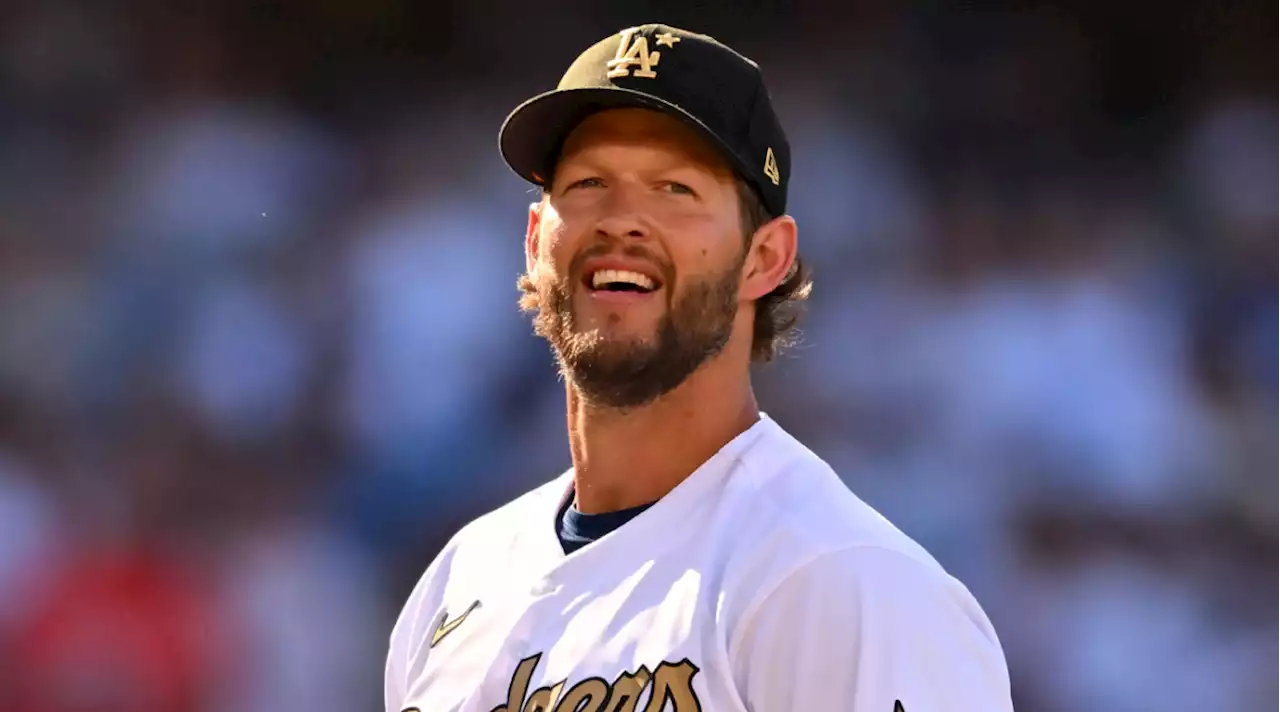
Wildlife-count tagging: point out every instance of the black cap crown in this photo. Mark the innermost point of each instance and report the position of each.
(692, 77)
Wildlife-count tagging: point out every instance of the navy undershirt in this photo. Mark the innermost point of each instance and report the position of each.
(576, 529)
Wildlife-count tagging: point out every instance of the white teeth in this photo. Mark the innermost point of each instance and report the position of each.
(615, 276)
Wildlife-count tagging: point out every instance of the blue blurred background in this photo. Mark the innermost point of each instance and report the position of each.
(260, 354)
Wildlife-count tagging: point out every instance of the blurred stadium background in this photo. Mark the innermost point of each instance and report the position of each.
(260, 356)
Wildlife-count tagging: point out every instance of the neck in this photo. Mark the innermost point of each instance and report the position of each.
(628, 458)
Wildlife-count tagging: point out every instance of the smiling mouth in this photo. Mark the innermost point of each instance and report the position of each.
(618, 281)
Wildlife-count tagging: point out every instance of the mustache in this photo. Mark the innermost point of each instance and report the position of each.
(633, 251)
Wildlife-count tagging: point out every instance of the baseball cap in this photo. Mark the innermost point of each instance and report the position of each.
(692, 77)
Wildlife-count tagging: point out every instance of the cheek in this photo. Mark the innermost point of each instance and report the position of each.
(555, 248)
(709, 249)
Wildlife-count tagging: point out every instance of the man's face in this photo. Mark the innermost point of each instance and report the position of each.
(635, 256)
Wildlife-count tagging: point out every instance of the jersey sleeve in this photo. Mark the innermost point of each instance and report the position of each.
(400, 650)
(392, 681)
(870, 630)
(405, 651)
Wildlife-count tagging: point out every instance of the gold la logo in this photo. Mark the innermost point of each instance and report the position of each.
(633, 58)
(771, 167)
(669, 682)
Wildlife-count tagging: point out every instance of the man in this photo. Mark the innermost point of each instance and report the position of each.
(695, 556)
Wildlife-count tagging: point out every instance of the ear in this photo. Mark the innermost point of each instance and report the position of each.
(770, 254)
(531, 236)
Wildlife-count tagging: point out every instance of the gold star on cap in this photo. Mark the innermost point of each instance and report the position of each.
(668, 39)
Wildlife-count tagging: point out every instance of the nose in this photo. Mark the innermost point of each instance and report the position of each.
(623, 217)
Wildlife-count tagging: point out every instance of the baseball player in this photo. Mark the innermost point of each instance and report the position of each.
(695, 556)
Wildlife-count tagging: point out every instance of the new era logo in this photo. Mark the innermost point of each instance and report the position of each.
(771, 170)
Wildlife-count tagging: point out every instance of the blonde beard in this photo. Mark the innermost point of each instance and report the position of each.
(629, 374)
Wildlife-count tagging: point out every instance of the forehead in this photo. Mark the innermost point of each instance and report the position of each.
(642, 130)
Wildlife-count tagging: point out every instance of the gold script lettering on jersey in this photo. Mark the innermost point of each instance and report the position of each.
(669, 682)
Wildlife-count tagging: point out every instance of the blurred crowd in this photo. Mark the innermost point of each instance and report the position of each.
(260, 354)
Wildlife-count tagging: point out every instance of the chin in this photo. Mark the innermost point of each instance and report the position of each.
(619, 338)
(615, 325)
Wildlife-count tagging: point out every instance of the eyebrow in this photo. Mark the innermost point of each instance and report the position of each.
(580, 162)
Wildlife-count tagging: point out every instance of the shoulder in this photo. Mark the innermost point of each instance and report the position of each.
(497, 527)
(824, 582)
(799, 528)
(471, 546)
(872, 590)
(792, 503)
(865, 627)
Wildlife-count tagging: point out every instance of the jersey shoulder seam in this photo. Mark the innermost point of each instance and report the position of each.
(753, 609)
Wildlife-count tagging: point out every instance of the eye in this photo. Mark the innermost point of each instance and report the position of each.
(679, 188)
(585, 183)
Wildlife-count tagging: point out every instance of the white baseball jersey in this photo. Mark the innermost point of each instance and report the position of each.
(760, 583)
